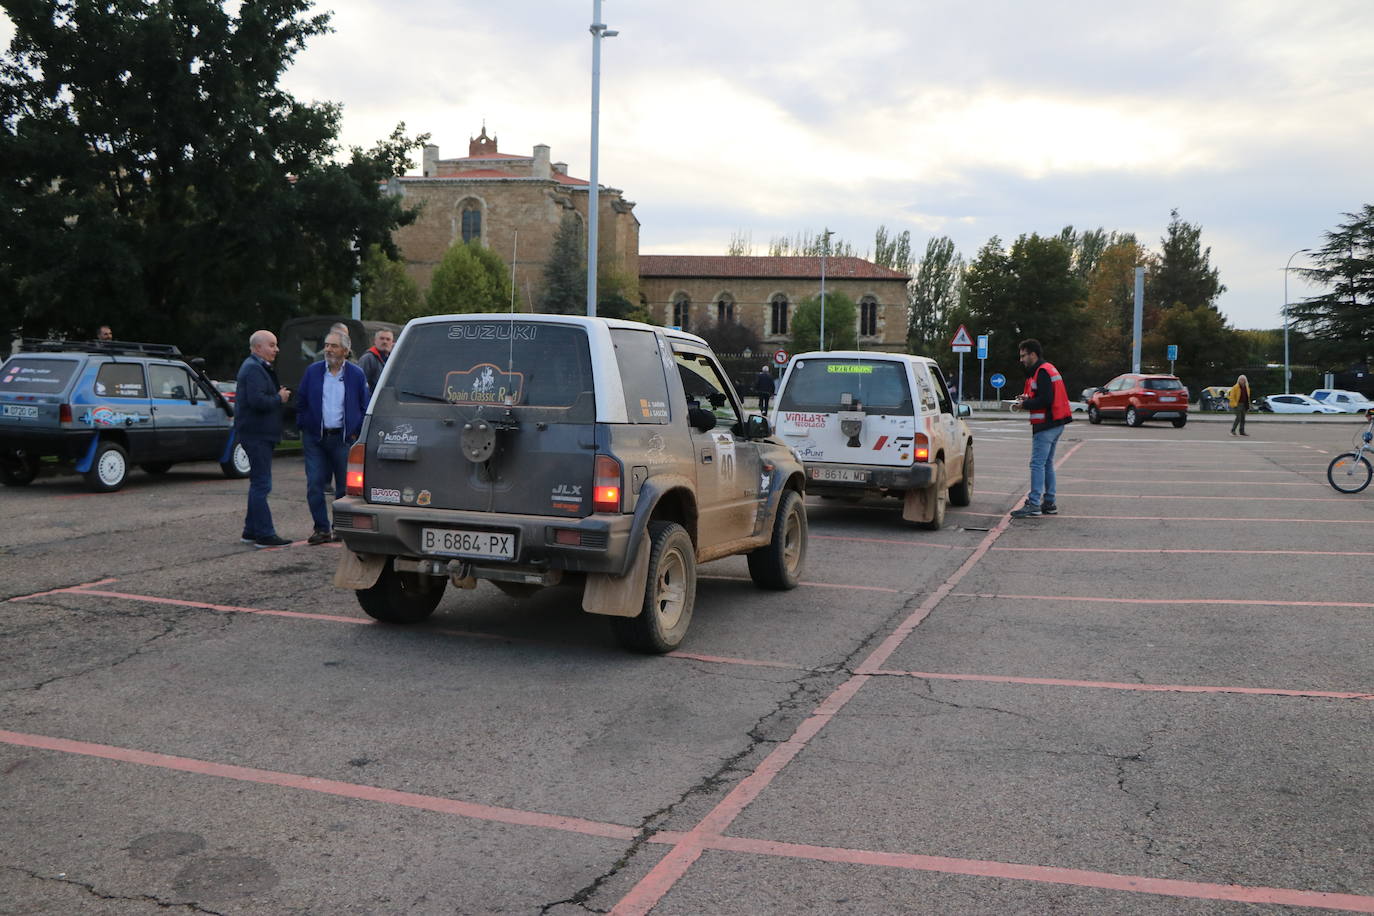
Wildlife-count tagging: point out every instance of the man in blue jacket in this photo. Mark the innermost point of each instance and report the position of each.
(329, 412)
(258, 403)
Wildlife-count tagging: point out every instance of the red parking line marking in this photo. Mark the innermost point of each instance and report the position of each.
(228, 608)
(1228, 601)
(58, 591)
(669, 870)
(1114, 685)
(911, 543)
(1246, 497)
(1045, 874)
(1214, 518)
(324, 786)
(860, 588)
(1144, 550)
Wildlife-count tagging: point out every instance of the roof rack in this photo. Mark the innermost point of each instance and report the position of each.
(113, 347)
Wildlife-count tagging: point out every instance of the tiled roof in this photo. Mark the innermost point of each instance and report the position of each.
(568, 179)
(690, 265)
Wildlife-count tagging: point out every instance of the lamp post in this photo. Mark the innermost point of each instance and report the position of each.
(599, 31)
(1287, 373)
(825, 247)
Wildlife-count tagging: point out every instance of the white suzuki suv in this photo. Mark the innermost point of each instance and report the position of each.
(866, 423)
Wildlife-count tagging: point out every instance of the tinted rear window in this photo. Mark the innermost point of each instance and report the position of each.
(1162, 384)
(820, 385)
(523, 363)
(21, 375)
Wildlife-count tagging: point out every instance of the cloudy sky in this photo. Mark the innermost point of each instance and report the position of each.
(946, 117)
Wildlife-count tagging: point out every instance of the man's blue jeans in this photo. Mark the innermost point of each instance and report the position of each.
(1042, 465)
(325, 458)
(257, 523)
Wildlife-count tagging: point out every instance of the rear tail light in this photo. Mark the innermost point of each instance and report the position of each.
(64, 413)
(354, 480)
(606, 485)
(922, 447)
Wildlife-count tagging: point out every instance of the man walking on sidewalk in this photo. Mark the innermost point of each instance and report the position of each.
(1047, 401)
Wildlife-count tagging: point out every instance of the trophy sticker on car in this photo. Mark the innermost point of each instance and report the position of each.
(484, 383)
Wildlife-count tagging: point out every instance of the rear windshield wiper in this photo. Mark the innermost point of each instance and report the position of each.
(427, 397)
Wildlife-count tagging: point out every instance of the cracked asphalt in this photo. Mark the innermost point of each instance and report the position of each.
(1154, 703)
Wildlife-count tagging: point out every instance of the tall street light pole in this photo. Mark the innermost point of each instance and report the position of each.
(1287, 373)
(825, 247)
(599, 31)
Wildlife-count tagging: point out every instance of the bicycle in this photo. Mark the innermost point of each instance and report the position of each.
(1351, 472)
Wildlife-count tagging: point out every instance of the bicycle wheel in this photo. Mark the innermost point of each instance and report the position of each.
(1349, 473)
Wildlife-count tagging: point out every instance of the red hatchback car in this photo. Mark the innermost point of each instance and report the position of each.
(1137, 398)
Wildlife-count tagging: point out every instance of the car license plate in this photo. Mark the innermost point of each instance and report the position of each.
(455, 542)
(845, 475)
(19, 410)
(1167, 400)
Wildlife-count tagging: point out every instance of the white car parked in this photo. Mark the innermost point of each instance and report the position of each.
(1297, 403)
(1344, 401)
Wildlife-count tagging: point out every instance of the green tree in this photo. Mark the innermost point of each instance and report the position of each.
(565, 272)
(470, 278)
(1209, 352)
(389, 294)
(153, 171)
(741, 244)
(841, 328)
(933, 296)
(806, 244)
(1110, 307)
(1340, 322)
(893, 252)
(1183, 273)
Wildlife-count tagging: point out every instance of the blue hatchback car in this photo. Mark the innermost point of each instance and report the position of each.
(107, 405)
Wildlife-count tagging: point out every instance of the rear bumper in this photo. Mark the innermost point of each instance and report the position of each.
(396, 531)
(64, 444)
(875, 477)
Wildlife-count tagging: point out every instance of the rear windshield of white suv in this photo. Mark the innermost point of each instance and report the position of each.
(497, 363)
(25, 375)
(1161, 384)
(821, 386)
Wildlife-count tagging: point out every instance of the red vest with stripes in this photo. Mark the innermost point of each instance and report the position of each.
(1059, 409)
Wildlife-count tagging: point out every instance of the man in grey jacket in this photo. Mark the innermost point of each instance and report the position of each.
(375, 358)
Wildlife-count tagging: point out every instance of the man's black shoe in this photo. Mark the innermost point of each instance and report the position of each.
(1049, 509)
(1026, 511)
(271, 541)
(319, 537)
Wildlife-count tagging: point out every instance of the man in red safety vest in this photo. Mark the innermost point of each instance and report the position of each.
(1047, 401)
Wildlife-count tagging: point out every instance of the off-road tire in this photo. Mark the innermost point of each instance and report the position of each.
(940, 494)
(961, 494)
(401, 598)
(109, 469)
(238, 466)
(669, 593)
(778, 564)
(17, 468)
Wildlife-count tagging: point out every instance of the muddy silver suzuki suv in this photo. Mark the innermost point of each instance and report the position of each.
(539, 450)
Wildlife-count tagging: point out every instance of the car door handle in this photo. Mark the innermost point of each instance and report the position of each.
(707, 456)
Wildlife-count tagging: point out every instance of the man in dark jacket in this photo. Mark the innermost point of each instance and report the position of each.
(375, 358)
(1046, 399)
(329, 412)
(764, 387)
(258, 403)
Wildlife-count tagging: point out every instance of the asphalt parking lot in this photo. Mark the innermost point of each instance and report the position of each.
(1157, 702)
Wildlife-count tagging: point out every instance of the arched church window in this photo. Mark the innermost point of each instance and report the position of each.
(778, 309)
(868, 317)
(682, 311)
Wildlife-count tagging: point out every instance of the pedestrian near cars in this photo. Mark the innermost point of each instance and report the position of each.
(104, 333)
(375, 357)
(258, 400)
(1047, 401)
(329, 411)
(764, 387)
(1239, 398)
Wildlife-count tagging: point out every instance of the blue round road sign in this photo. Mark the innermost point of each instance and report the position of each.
(998, 380)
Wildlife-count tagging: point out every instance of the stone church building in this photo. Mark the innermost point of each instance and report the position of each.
(514, 204)
(695, 291)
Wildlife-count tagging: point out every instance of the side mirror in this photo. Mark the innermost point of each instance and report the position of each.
(965, 410)
(756, 427)
(199, 363)
(700, 419)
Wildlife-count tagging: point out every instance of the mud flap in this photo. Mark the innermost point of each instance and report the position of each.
(358, 570)
(919, 505)
(619, 596)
